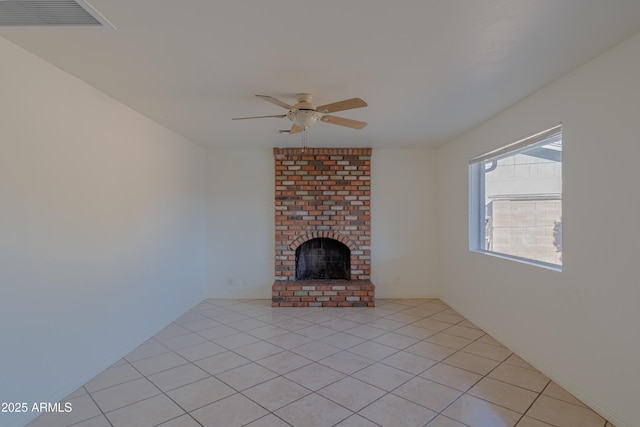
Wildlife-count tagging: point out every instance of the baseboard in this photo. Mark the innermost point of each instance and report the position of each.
(603, 410)
(104, 363)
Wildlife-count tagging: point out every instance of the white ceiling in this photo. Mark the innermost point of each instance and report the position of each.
(429, 69)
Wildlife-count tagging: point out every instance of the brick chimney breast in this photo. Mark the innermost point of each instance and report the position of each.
(323, 193)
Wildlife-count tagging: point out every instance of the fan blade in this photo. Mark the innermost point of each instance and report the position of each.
(347, 104)
(295, 129)
(341, 121)
(272, 100)
(280, 116)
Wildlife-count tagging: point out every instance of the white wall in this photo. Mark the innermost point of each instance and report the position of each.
(579, 326)
(241, 223)
(404, 229)
(102, 230)
(241, 231)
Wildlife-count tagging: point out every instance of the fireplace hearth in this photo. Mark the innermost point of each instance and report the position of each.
(323, 227)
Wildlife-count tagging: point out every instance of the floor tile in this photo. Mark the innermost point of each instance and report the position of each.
(516, 360)
(430, 351)
(448, 318)
(183, 341)
(366, 332)
(403, 317)
(471, 362)
(503, 394)
(343, 340)
(554, 390)
(340, 324)
(100, 421)
(432, 324)
(244, 363)
(314, 376)
(351, 393)
(121, 395)
(247, 324)
(258, 350)
(319, 315)
(200, 351)
(80, 391)
(237, 340)
(468, 324)
(395, 340)
(488, 339)
(177, 377)
(487, 350)
(198, 325)
(268, 421)
(451, 376)
(171, 331)
(373, 350)
(228, 319)
(313, 410)
(284, 362)
(427, 393)
(268, 331)
(522, 377)
(293, 324)
(531, 422)
(442, 421)
(464, 332)
(316, 332)
(276, 393)
(159, 363)
(356, 421)
(416, 332)
(232, 411)
(383, 376)
(246, 376)
(387, 324)
(315, 350)
(563, 414)
(149, 412)
(200, 393)
(189, 316)
(221, 362)
(451, 341)
(148, 349)
(346, 362)
(408, 362)
(217, 332)
(361, 317)
(112, 376)
(289, 340)
(477, 412)
(392, 410)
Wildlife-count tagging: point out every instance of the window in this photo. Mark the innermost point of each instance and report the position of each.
(515, 200)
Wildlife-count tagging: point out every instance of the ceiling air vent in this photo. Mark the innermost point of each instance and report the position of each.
(49, 13)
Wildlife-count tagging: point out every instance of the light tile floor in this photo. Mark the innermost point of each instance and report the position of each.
(403, 363)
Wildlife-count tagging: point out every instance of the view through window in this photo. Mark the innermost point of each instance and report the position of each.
(516, 199)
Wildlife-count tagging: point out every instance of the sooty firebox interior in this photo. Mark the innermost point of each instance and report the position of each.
(323, 259)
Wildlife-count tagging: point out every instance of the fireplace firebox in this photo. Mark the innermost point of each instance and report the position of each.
(323, 258)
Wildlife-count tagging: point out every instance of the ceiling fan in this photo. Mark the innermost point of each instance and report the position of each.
(304, 113)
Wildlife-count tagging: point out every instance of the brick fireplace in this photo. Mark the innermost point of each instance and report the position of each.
(323, 227)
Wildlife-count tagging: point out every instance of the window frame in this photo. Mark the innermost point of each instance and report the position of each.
(477, 208)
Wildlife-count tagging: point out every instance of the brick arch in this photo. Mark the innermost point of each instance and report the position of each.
(323, 234)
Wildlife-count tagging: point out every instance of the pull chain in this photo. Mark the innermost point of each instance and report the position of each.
(304, 141)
